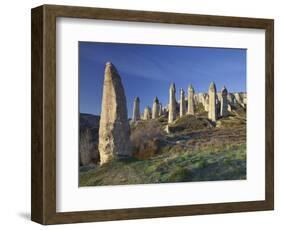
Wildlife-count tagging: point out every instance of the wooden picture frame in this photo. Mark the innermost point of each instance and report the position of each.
(43, 208)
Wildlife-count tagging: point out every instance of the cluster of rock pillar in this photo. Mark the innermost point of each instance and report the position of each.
(114, 129)
(211, 102)
(214, 104)
(189, 106)
(148, 113)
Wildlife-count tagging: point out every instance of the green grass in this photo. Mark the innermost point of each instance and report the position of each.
(222, 163)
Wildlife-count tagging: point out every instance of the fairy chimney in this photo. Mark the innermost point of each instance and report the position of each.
(212, 113)
(190, 102)
(223, 108)
(136, 109)
(114, 126)
(182, 103)
(147, 113)
(155, 108)
(172, 103)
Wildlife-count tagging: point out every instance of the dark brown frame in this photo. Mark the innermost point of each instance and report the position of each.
(43, 188)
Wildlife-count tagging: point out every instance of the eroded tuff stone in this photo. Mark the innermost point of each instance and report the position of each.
(172, 103)
(114, 127)
(223, 107)
(190, 98)
(136, 110)
(212, 113)
(147, 113)
(238, 98)
(195, 99)
(164, 111)
(244, 95)
(160, 109)
(182, 103)
(231, 99)
(155, 108)
(200, 98)
(206, 102)
(229, 109)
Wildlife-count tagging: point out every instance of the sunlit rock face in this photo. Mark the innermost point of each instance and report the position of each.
(190, 102)
(114, 126)
(147, 113)
(172, 103)
(155, 108)
(182, 103)
(212, 113)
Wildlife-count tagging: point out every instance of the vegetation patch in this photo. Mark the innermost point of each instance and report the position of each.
(190, 123)
(221, 163)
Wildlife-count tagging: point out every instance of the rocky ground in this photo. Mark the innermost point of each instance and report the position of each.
(192, 149)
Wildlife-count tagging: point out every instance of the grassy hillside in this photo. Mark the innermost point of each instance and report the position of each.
(213, 163)
(192, 148)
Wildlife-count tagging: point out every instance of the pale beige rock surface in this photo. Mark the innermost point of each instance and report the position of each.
(114, 126)
(147, 113)
(136, 110)
(160, 109)
(182, 103)
(190, 98)
(172, 103)
(212, 113)
(155, 108)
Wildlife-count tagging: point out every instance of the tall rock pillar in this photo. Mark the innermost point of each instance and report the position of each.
(212, 102)
(172, 103)
(155, 108)
(182, 103)
(224, 108)
(136, 110)
(114, 126)
(190, 100)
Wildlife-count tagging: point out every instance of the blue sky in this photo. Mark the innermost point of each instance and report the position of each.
(148, 70)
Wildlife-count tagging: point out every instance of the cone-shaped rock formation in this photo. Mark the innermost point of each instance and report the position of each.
(114, 127)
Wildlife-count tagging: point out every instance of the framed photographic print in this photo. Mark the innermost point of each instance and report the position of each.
(141, 114)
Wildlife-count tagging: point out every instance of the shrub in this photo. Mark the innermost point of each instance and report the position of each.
(146, 138)
(189, 123)
(88, 149)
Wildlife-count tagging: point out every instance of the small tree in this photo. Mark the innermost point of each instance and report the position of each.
(145, 138)
(86, 147)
